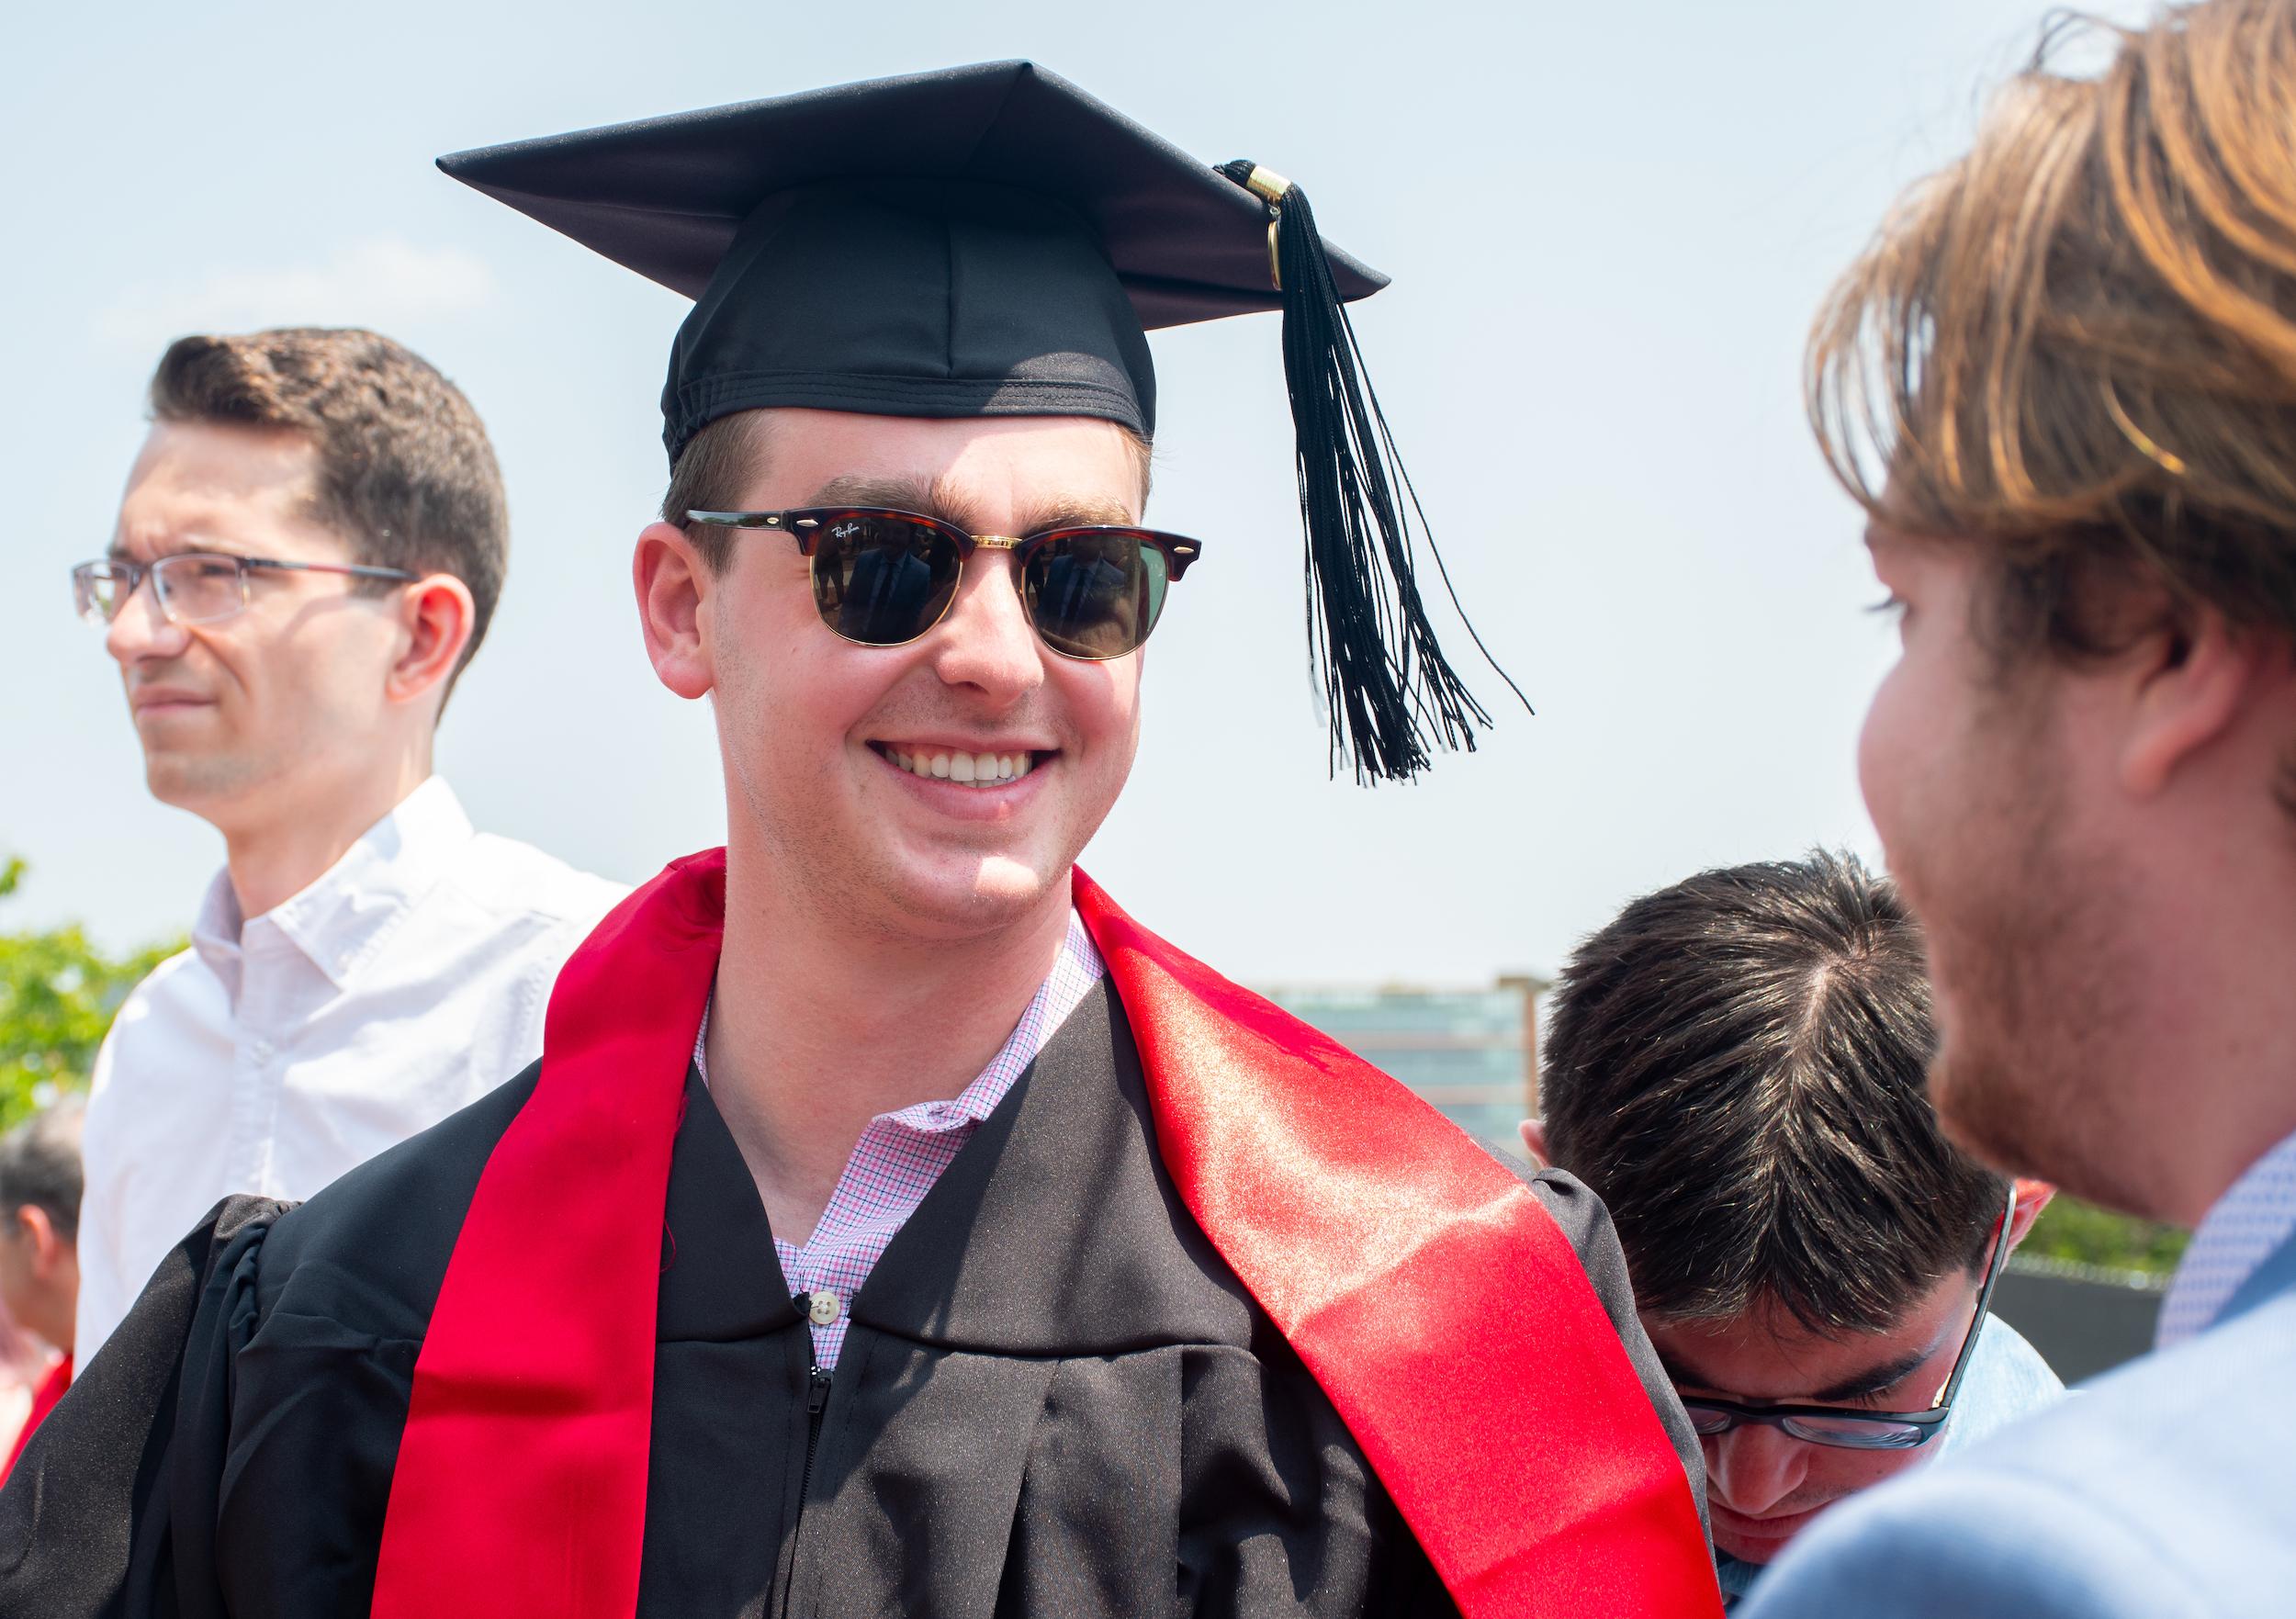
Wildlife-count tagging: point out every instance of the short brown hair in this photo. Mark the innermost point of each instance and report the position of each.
(718, 463)
(2078, 345)
(1737, 1066)
(709, 476)
(406, 474)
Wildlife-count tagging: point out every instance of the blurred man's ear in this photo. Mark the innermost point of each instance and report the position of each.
(438, 616)
(1534, 1140)
(2032, 1196)
(39, 1230)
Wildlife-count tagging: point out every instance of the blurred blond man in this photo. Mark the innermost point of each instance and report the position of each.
(2064, 383)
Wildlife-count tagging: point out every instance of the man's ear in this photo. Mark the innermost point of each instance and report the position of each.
(671, 580)
(2032, 1196)
(2196, 675)
(41, 1232)
(438, 615)
(1534, 1132)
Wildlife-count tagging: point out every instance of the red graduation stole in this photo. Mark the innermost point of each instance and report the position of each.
(1438, 1304)
(53, 1387)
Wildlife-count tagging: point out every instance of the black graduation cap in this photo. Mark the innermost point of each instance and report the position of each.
(991, 241)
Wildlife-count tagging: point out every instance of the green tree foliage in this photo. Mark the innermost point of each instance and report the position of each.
(2084, 1234)
(58, 993)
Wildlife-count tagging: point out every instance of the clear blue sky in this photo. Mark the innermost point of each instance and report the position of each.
(1608, 226)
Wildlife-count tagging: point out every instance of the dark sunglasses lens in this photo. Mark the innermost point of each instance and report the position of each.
(1096, 595)
(882, 580)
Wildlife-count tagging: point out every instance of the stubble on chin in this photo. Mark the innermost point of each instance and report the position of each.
(199, 783)
(2034, 1096)
(2028, 980)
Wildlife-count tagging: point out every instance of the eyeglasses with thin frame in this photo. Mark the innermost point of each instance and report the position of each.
(1846, 1427)
(194, 586)
(884, 578)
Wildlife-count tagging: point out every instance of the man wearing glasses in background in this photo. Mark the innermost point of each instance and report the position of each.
(311, 544)
(1735, 1065)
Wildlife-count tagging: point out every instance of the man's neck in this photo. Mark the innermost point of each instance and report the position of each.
(290, 840)
(2211, 1042)
(2211, 1155)
(50, 1319)
(817, 1028)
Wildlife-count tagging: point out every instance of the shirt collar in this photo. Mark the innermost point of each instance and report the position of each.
(2241, 1230)
(215, 936)
(343, 918)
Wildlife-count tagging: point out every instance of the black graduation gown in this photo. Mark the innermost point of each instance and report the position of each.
(1053, 1397)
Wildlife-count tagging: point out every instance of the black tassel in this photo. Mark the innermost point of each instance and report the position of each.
(1388, 690)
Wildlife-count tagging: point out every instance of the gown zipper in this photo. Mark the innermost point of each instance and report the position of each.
(816, 1403)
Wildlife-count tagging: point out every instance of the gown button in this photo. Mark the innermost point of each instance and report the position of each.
(823, 1308)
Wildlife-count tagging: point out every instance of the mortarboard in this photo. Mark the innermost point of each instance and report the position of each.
(991, 241)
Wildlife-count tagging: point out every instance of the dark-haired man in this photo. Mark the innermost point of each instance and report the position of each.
(310, 547)
(1735, 1065)
(892, 1224)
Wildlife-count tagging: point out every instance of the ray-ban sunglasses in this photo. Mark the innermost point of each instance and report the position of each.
(882, 577)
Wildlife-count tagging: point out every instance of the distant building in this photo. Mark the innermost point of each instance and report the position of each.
(1472, 1052)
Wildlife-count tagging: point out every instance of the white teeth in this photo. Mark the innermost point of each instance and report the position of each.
(977, 769)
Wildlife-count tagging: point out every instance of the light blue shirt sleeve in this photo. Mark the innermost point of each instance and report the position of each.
(2006, 1382)
(2165, 1489)
(1977, 1545)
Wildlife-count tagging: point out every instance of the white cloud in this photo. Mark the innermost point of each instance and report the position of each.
(383, 281)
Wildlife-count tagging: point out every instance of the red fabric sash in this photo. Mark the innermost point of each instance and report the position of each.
(1426, 1288)
(53, 1387)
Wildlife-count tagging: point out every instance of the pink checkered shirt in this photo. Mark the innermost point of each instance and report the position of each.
(900, 1155)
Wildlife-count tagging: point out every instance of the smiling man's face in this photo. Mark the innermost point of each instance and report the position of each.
(843, 759)
(1763, 1487)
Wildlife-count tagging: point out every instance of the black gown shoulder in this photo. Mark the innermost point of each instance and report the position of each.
(1586, 1221)
(112, 1509)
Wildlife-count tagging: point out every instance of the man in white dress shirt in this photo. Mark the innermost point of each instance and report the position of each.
(311, 546)
(2080, 345)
